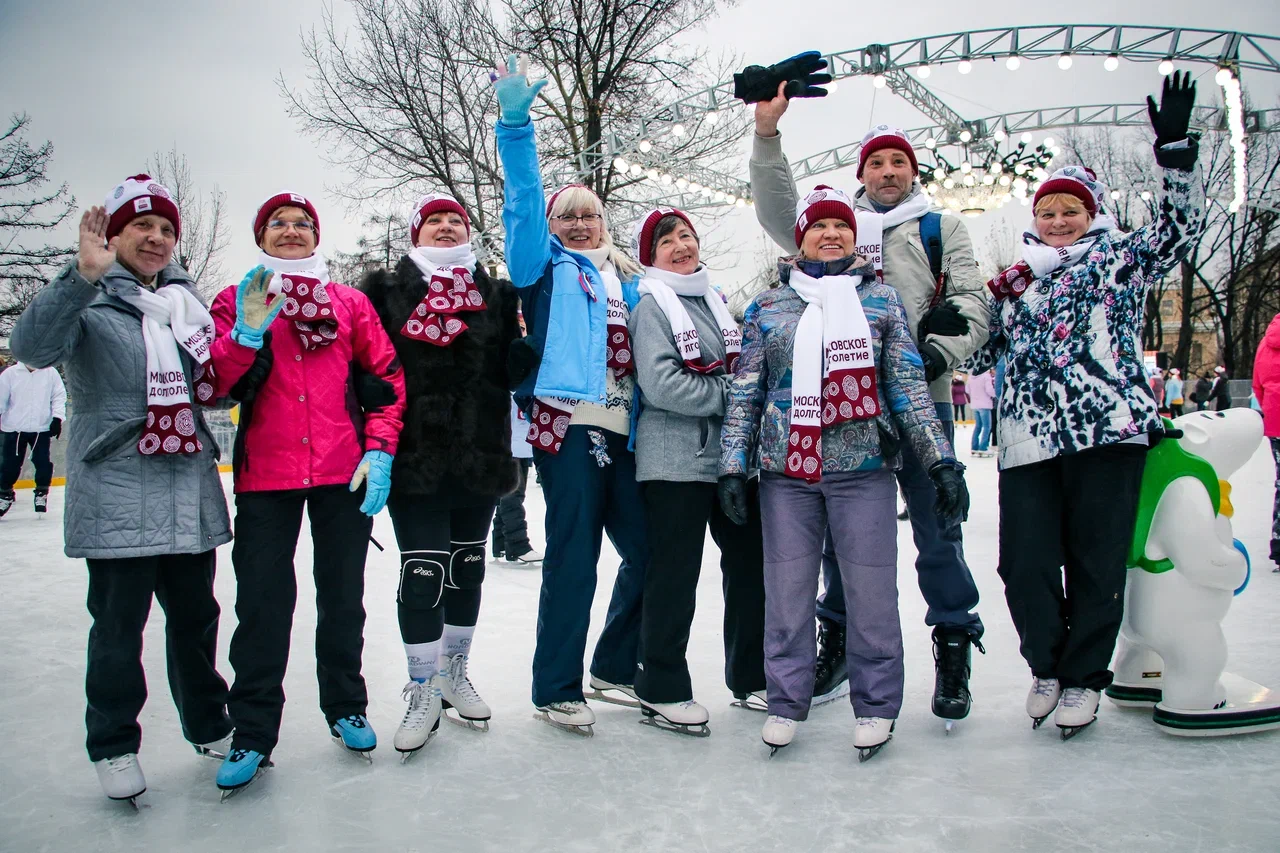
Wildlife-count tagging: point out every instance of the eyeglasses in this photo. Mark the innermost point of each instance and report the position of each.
(591, 220)
(282, 224)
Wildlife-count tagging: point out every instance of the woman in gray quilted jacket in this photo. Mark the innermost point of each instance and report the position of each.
(144, 502)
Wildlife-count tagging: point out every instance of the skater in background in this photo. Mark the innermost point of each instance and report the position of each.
(959, 397)
(578, 387)
(686, 346)
(510, 527)
(1219, 397)
(1173, 392)
(1266, 390)
(828, 391)
(309, 446)
(144, 503)
(1157, 389)
(999, 371)
(981, 388)
(452, 326)
(947, 318)
(1200, 396)
(33, 405)
(1070, 474)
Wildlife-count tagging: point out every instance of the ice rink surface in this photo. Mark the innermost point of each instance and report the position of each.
(992, 785)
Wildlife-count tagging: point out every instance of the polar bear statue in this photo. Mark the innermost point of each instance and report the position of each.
(1185, 568)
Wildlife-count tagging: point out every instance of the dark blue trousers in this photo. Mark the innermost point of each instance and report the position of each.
(590, 489)
(944, 577)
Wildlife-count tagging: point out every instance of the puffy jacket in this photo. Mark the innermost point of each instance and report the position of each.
(119, 502)
(308, 428)
(982, 390)
(1266, 378)
(31, 399)
(906, 264)
(1075, 376)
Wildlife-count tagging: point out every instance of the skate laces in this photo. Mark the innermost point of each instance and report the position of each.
(121, 763)
(1047, 687)
(1074, 697)
(775, 720)
(419, 695)
(462, 686)
(867, 721)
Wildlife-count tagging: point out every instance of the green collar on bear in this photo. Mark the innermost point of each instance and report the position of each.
(1166, 462)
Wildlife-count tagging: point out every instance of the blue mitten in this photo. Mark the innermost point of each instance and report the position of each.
(515, 93)
(375, 467)
(253, 314)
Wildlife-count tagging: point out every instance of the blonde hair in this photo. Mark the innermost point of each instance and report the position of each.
(1067, 200)
(577, 198)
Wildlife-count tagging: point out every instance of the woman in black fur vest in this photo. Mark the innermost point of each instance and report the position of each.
(451, 325)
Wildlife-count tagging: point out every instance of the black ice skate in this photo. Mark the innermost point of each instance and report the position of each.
(831, 675)
(6, 501)
(686, 718)
(42, 500)
(952, 656)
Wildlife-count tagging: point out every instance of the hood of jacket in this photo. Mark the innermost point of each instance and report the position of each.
(1272, 336)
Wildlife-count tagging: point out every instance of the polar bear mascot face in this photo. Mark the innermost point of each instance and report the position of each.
(1226, 440)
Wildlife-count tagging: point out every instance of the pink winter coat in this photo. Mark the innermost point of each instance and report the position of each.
(982, 390)
(1266, 378)
(307, 428)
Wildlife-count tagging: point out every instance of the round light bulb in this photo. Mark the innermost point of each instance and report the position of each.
(1000, 135)
(879, 81)
(695, 187)
(1027, 137)
(1223, 75)
(731, 199)
(1013, 63)
(965, 66)
(949, 184)
(1064, 61)
(636, 169)
(969, 180)
(1048, 142)
(1115, 195)
(1146, 195)
(740, 203)
(1004, 180)
(995, 168)
(682, 184)
(1165, 67)
(645, 146)
(923, 71)
(966, 167)
(931, 143)
(620, 164)
(719, 195)
(713, 118)
(652, 174)
(1111, 63)
(677, 130)
(830, 87)
(934, 187)
(988, 180)
(667, 179)
(965, 136)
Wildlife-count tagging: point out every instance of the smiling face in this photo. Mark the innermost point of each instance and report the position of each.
(145, 245)
(676, 250)
(287, 236)
(888, 175)
(1061, 219)
(578, 228)
(443, 229)
(827, 240)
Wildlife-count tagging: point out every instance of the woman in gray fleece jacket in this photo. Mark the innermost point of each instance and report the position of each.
(686, 343)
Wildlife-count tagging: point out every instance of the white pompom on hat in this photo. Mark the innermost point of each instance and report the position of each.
(886, 136)
(136, 196)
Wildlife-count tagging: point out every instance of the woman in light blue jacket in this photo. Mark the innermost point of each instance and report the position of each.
(574, 378)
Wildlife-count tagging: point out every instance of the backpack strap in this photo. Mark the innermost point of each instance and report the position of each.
(931, 239)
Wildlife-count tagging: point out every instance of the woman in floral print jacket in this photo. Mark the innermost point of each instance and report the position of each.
(1077, 413)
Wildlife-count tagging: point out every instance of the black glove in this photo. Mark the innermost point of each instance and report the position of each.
(255, 377)
(55, 428)
(889, 443)
(1172, 119)
(732, 490)
(757, 83)
(935, 363)
(522, 358)
(373, 393)
(952, 503)
(945, 320)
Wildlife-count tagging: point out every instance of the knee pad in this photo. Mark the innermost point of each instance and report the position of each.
(421, 579)
(466, 565)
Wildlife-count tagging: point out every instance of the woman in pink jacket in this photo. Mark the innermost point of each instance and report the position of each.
(1266, 388)
(288, 343)
(982, 394)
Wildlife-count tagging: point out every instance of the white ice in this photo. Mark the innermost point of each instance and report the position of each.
(992, 785)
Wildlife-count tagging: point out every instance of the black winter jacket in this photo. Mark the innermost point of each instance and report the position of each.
(457, 421)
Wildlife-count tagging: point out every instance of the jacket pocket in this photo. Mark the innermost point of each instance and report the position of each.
(113, 440)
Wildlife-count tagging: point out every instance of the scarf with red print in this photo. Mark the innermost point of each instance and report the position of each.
(303, 285)
(666, 288)
(451, 290)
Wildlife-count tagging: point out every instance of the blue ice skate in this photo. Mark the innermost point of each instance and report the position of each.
(355, 734)
(239, 768)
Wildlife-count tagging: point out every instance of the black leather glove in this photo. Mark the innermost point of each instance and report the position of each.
(757, 83)
(732, 490)
(935, 363)
(255, 377)
(373, 392)
(522, 358)
(1171, 120)
(945, 320)
(889, 443)
(952, 503)
(55, 428)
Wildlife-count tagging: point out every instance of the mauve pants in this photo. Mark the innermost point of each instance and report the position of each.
(860, 509)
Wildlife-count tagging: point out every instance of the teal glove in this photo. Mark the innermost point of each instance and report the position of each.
(515, 93)
(376, 467)
(253, 314)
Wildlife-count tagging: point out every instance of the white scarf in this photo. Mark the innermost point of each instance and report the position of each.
(666, 288)
(872, 225)
(312, 266)
(432, 260)
(1045, 259)
(833, 369)
(173, 317)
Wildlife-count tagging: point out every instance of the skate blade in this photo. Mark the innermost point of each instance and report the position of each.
(406, 754)
(459, 720)
(366, 754)
(132, 801)
(1036, 722)
(205, 752)
(604, 696)
(228, 793)
(583, 731)
(1068, 732)
(948, 725)
(827, 698)
(866, 753)
(751, 703)
(774, 748)
(663, 724)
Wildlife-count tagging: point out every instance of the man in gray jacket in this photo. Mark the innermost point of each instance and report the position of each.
(949, 316)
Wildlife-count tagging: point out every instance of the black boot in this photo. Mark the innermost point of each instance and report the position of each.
(42, 500)
(1275, 551)
(831, 674)
(6, 500)
(952, 655)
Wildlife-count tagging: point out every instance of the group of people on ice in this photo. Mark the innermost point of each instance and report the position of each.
(654, 417)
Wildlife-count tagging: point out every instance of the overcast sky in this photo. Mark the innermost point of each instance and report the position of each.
(110, 83)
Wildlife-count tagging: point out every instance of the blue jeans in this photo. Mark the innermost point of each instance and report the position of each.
(981, 430)
(945, 581)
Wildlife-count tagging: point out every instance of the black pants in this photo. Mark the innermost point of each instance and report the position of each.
(1175, 410)
(267, 526)
(451, 537)
(678, 515)
(959, 411)
(1075, 512)
(119, 601)
(510, 530)
(15, 453)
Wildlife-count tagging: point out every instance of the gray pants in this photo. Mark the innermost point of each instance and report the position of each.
(860, 509)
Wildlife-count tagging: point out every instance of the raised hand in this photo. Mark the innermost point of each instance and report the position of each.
(769, 111)
(757, 83)
(1173, 117)
(96, 254)
(515, 93)
(254, 312)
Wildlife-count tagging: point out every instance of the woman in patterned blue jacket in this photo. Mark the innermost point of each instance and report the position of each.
(828, 381)
(1077, 413)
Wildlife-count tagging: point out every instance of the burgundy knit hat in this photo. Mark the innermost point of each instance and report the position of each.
(886, 136)
(824, 202)
(642, 237)
(277, 201)
(1073, 180)
(555, 195)
(434, 203)
(137, 196)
